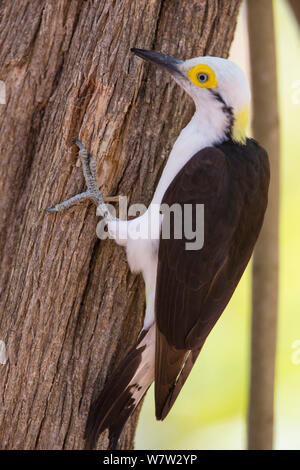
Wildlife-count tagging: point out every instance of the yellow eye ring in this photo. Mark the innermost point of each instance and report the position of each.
(202, 75)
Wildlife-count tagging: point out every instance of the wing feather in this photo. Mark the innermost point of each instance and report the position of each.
(194, 287)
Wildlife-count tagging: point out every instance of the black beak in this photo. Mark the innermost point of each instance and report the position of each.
(162, 60)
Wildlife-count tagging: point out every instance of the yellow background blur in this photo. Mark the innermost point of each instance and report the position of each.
(211, 411)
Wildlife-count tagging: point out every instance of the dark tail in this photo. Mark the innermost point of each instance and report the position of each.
(172, 368)
(122, 392)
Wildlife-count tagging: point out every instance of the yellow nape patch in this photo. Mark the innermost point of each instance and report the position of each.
(241, 120)
(202, 75)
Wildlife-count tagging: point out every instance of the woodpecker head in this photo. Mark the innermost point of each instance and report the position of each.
(218, 87)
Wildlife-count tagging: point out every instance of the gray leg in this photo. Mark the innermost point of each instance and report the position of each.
(92, 192)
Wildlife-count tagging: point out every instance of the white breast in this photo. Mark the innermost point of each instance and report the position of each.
(142, 250)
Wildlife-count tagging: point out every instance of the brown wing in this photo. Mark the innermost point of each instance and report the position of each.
(194, 287)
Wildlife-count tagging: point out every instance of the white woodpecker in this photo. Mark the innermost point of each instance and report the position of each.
(214, 164)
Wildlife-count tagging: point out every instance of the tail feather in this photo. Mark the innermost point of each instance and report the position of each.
(174, 392)
(122, 392)
(172, 367)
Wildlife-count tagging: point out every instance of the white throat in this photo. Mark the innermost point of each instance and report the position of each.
(203, 130)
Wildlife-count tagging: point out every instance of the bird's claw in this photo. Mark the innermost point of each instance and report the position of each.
(79, 144)
(92, 192)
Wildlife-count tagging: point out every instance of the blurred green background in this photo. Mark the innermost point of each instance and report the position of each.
(211, 411)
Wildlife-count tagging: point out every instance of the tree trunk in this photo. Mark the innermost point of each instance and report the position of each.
(265, 261)
(69, 306)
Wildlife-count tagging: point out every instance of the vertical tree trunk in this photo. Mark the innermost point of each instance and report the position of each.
(69, 306)
(265, 262)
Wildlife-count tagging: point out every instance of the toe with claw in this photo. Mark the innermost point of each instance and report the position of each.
(92, 192)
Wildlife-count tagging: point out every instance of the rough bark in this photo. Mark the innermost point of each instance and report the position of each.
(265, 262)
(69, 306)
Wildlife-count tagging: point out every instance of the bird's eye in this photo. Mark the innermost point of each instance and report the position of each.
(202, 77)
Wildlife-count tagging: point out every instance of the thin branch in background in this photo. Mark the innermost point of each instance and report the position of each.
(295, 5)
(265, 263)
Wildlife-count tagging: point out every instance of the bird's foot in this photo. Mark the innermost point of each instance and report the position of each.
(92, 192)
